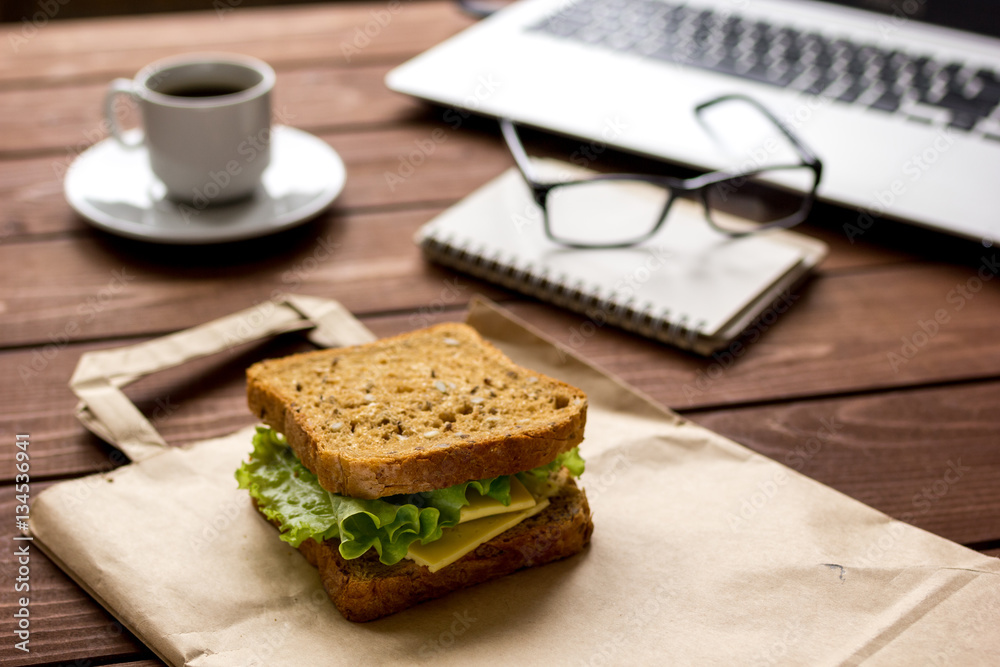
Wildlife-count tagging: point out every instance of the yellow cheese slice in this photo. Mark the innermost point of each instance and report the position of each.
(463, 538)
(480, 506)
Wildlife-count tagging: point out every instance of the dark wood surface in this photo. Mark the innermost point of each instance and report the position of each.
(896, 427)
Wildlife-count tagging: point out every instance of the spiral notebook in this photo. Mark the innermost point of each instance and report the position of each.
(688, 286)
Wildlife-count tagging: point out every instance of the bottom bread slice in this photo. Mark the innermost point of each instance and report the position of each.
(363, 589)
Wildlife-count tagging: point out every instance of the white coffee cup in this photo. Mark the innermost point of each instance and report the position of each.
(206, 124)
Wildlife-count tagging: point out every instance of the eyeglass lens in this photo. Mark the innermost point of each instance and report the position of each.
(776, 197)
(628, 211)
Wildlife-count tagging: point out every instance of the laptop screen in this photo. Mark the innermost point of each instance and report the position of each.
(980, 16)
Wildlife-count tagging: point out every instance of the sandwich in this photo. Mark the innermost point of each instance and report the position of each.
(417, 465)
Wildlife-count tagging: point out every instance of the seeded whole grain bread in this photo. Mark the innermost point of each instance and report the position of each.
(417, 412)
(363, 589)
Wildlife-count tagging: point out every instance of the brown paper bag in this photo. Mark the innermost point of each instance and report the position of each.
(679, 571)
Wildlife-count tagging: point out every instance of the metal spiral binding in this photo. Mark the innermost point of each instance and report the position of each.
(677, 327)
(640, 315)
(607, 306)
(521, 276)
(560, 295)
(576, 296)
(577, 291)
(693, 332)
(659, 323)
(538, 282)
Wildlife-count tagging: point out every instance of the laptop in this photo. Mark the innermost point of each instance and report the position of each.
(901, 104)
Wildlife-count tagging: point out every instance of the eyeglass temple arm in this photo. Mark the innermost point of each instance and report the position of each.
(805, 153)
(517, 150)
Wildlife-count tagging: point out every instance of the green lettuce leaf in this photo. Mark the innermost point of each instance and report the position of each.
(290, 495)
(571, 460)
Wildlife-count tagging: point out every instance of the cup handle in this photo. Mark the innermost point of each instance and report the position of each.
(119, 87)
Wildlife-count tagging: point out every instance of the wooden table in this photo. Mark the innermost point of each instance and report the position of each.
(818, 391)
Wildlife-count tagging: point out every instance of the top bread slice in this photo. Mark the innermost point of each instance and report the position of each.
(417, 412)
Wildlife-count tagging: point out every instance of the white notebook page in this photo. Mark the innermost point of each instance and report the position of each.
(688, 273)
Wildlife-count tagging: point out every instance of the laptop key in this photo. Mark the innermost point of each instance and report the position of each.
(889, 101)
(853, 92)
(963, 120)
(850, 72)
(821, 83)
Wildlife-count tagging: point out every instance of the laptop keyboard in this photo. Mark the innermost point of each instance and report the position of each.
(917, 87)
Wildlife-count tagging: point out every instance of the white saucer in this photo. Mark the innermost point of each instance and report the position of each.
(113, 188)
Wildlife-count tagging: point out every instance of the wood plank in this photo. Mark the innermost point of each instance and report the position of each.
(65, 120)
(426, 162)
(843, 333)
(77, 289)
(420, 163)
(925, 456)
(891, 451)
(202, 399)
(101, 49)
(66, 623)
(885, 448)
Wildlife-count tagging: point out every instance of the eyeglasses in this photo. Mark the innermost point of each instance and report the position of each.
(637, 205)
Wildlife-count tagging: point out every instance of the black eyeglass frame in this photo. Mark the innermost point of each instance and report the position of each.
(675, 187)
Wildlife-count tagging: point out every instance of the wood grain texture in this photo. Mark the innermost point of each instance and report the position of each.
(908, 402)
(811, 352)
(93, 287)
(63, 121)
(202, 399)
(892, 451)
(836, 337)
(925, 456)
(882, 449)
(426, 156)
(415, 164)
(99, 50)
(65, 622)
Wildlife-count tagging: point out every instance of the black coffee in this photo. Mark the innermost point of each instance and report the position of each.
(203, 90)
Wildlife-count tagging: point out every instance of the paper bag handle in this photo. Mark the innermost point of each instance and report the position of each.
(107, 412)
